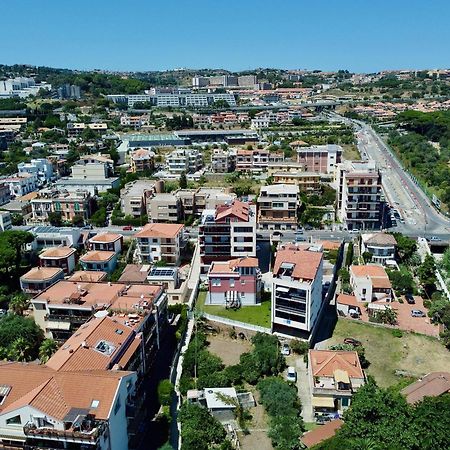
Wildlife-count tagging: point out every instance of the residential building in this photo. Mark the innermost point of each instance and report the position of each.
(92, 173)
(223, 161)
(39, 278)
(42, 168)
(142, 160)
(297, 299)
(380, 245)
(75, 130)
(234, 283)
(307, 182)
(200, 82)
(65, 306)
(432, 384)
(85, 276)
(370, 283)
(184, 160)
(256, 160)
(211, 198)
(134, 196)
(110, 242)
(5, 221)
(164, 208)
(278, 207)
(334, 376)
(21, 184)
(160, 242)
(49, 237)
(134, 121)
(21, 87)
(61, 257)
(81, 409)
(175, 287)
(104, 261)
(69, 205)
(319, 158)
(359, 205)
(69, 91)
(317, 435)
(247, 80)
(227, 232)
(5, 193)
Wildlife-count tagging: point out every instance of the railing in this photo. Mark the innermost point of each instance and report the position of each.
(236, 323)
(30, 430)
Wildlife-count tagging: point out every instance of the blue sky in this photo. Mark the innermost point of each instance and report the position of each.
(360, 35)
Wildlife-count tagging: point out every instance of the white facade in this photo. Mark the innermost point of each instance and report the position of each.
(184, 160)
(42, 168)
(5, 221)
(22, 184)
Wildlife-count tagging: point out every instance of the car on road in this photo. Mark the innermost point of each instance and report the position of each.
(259, 236)
(300, 238)
(285, 349)
(308, 227)
(354, 231)
(410, 298)
(417, 313)
(299, 230)
(127, 228)
(434, 239)
(291, 374)
(352, 341)
(277, 233)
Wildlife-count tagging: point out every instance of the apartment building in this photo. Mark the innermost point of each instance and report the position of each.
(49, 237)
(227, 232)
(257, 160)
(134, 196)
(39, 278)
(164, 208)
(64, 307)
(101, 260)
(278, 207)
(75, 130)
(297, 299)
(69, 205)
(380, 245)
(334, 376)
(370, 283)
(223, 161)
(5, 193)
(359, 205)
(142, 160)
(134, 121)
(5, 221)
(160, 242)
(319, 158)
(307, 182)
(184, 160)
(41, 167)
(21, 184)
(93, 173)
(234, 283)
(61, 257)
(110, 242)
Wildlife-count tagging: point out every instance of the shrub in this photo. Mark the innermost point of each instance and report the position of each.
(165, 391)
(299, 347)
(397, 333)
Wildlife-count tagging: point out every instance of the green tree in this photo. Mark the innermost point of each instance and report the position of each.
(16, 239)
(20, 350)
(401, 280)
(78, 220)
(98, 219)
(165, 392)
(183, 180)
(427, 275)
(19, 303)
(55, 219)
(47, 349)
(406, 246)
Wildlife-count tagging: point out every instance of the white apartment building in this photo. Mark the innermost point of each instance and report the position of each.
(160, 242)
(41, 167)
(320, 158)
(223, 161)
(184, 160)
(5, 221)
(21, 184)
(21, 87)
(297, 298)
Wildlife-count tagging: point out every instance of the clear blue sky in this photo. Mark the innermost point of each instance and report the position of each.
(360, 35)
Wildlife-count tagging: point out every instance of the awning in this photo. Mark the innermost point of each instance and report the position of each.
(323, 402)
(341, 376)
(55, 325)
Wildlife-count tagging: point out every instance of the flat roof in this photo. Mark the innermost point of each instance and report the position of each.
(41, 273)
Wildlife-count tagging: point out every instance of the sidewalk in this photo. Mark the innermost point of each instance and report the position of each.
(304, 389)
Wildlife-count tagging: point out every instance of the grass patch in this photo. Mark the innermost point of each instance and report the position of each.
(255, 315)
(311, 426)
(412, 353)
(351, 152)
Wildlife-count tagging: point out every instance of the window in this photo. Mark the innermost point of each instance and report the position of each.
(216, 282)
(95, 404)
(231, 283)
(345, 401)
(16, 420)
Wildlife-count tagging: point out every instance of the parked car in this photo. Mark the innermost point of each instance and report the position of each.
(277, 233)
(291, 374)
(308, 227)
(354, 231)
(300, 238)
(127, 228)
(417, 313)
(353, 342)
(434, 238)
(285, 349)
(410, 298)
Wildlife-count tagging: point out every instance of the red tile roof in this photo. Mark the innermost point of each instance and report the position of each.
(238, 209)
(306, 263)
(161, 230)
(326, 431)
(325, 362)
(431, 385)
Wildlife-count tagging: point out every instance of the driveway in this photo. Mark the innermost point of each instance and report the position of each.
(406, 322)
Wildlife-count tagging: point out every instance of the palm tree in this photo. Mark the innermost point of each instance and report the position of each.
(20, 350)
(46, 350)
(19, 303)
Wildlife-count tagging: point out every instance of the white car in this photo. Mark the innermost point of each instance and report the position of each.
(285, 349)
(291, 374)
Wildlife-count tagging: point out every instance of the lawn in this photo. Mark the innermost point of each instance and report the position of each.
(351, 152)
(255, 315)
(413, 353)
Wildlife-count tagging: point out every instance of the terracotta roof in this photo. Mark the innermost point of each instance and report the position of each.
(326, 431)
(244, 262)
(134, 273)
(305, 262)
(379, 239)
(237, 209)
(229, 267)
(162, 230)
(41, 273)
(88, 275)
(431, 385)
(57, 252)
(56, 393)
(330, 245)
(97, 255)
(131, 350)
(325, 362)
(80, 353)
(105, 237)
(346, 299)
(377, 275)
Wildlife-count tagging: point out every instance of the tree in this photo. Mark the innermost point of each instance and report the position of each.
(16, 219)
(183, 180)
(367, 257)
(55, 219)
(114, 154)
(401, 280)
(165, 391)
(406, 246)
(46, 349)
(20, 350)
(19, 303)
(427, 275)
(16, 239)
(78, 221)
(98, 219)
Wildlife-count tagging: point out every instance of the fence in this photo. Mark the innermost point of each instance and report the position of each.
(236, 323)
